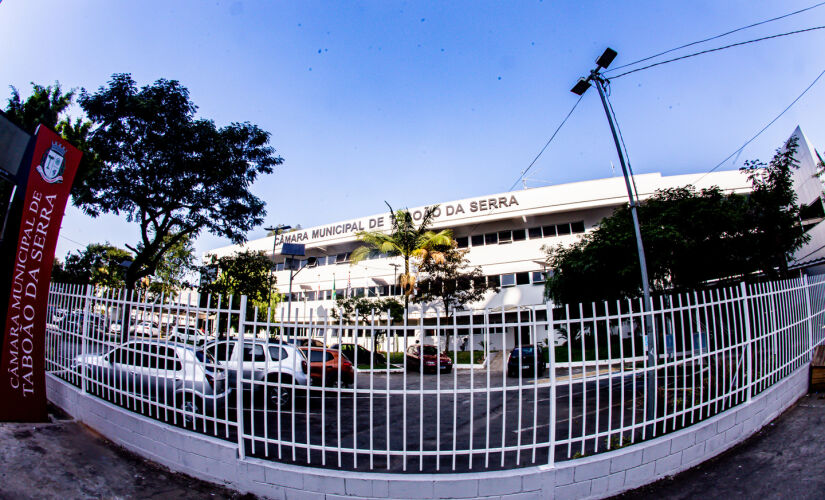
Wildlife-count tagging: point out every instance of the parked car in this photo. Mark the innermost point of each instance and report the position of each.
(188, 335)
(145, 328)
(428, 357)
(169, 373)
(529, 359)
(268, 369)
(326, 366)
(301, 341)
(359, 355)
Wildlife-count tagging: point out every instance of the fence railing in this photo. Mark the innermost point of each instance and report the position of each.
(478, 390)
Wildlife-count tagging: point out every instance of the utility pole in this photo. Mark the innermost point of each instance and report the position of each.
(650, 341)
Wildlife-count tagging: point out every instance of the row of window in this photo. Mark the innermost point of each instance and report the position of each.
(511, 235)
(497, 280)
(476, 240)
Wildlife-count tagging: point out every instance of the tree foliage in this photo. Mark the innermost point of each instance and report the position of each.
(451, 282)
(407, 239)
(98, 264)
(172, 272)
(172, 173)
(367, 309)
(691, 238)
(245, 273)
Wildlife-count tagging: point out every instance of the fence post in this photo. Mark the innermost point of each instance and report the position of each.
(748, 339)
(239, 375)
(551, 346)
(808, 314)
(85, 334)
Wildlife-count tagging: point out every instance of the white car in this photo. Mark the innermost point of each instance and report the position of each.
(145, 328)
(189, 335)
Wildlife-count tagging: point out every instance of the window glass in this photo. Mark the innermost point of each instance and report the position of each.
(477, 240)
(549, 231)
(577, 227)
(534, 232)
(221, 351)
(538, 277)
(253, 352)
(168, 359)
(462, 242)
(318, 356)
(279, 266)
(505, 237)
(563, 228)
(491, 238)
(277, 353)
(494, 280)
(522, 278)
(519, 235)
(508, 279)
(340, 258)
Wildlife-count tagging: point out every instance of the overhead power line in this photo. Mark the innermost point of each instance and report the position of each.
(763, 128)
(524, 172)
(718, 49)
(716, 37)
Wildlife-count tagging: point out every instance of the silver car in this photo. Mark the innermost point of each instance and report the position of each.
(170, 374)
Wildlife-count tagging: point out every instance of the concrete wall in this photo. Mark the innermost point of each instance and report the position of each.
(598, 476)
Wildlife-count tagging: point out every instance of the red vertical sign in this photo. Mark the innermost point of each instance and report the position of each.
(22, 379)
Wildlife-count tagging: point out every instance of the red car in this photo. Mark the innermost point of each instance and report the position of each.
(328, 361)
(432, 360)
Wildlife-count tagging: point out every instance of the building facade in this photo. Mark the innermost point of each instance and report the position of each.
(505, 233)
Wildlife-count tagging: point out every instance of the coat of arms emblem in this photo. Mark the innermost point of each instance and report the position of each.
(51, 165)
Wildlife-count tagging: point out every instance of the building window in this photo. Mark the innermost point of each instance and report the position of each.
(478, 240)
(519, 235)
(537, 277)
(549, 231)
(494, 280)
(504, 237)
(508, 280)
(534, 232)
(491, 238)
(577, 227)
(279, 266)
(563, 229)
(342, 258)
(522, 278)
(462, 242)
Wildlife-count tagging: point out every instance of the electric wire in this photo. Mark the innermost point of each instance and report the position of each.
(524, 172)
(718, 49)
(715, 37)
(763, 128)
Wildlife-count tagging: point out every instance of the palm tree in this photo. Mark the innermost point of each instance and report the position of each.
(407, 240)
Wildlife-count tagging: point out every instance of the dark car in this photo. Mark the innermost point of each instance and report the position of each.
(326, 366)
(428, 357)
(358, 355)
(527, 358)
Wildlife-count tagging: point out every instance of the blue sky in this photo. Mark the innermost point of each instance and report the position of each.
(422, 102)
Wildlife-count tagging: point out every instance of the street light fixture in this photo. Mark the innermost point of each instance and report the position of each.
(580, 88)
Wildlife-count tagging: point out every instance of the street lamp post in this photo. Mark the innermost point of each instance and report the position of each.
(579, 89)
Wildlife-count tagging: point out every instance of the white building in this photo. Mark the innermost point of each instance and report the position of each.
(504, 232)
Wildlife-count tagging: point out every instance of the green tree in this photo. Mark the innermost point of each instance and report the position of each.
(44, 106)
(172, 271)
(244, 273)
(451, 282)
(98, 264)
(173, 174)
(366, 309)
(408, 240)
(691, 238)
(776, 232)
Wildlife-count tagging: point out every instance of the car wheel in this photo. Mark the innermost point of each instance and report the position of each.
(191, 408)
(278, 396)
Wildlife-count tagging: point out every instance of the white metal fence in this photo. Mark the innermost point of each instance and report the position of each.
(585, 379)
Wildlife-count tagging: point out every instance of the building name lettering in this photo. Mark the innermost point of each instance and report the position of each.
(25, 277)
(382, 222)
